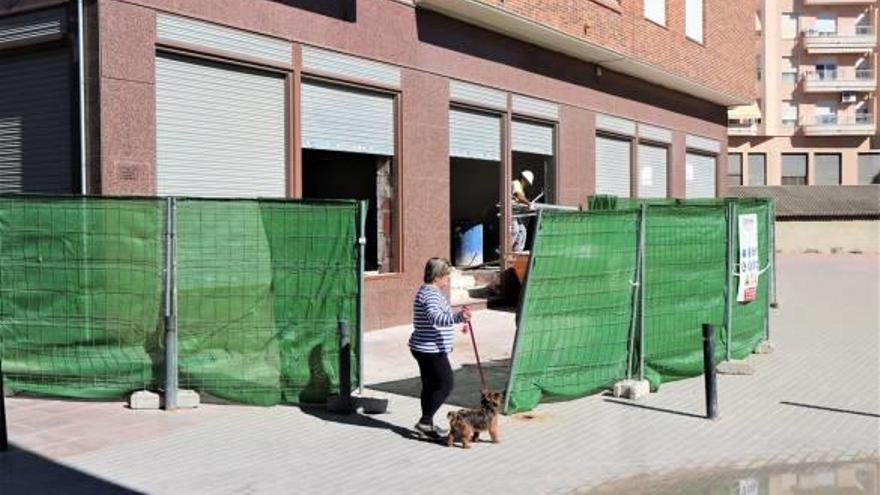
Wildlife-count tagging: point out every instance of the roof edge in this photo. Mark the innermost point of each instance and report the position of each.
(516, 26)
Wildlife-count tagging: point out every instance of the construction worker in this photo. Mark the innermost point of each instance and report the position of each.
(520, 202)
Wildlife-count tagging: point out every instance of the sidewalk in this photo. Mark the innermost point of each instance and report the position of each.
(816, 399)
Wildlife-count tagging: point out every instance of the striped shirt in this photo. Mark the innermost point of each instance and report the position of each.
(433, 321)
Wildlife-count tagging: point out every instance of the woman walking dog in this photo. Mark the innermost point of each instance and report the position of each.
(431, 342)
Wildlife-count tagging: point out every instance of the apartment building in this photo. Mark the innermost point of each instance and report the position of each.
(815, 119)
(426, 108)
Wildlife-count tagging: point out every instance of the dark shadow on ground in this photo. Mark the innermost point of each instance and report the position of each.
(22, 471)
(652, 408)
(365, 421)
(465, 393)
(830, 409)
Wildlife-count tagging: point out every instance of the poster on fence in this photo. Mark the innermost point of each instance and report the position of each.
(748, 258)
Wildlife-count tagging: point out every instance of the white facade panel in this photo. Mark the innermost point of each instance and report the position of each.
(347, 66)
(234, 41)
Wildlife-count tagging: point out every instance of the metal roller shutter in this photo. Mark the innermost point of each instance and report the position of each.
(653, 161)
(757, 169)
(474, 135)
(700, 176)
(869, 168)
(339, 118)
(220, 130)
(827, 169)
(613, 166)
(534, 138)
(35, 123)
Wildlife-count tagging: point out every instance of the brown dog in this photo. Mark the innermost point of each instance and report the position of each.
(467, 424)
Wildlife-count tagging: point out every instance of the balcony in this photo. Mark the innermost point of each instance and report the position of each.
(742, 128)
(744, 120)
(839, 80)
(839, 125)
(862, 40)
(839, 2)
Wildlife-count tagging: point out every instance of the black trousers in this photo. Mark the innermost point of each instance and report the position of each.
(437, 383)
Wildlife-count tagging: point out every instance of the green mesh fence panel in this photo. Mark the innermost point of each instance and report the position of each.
(80, 292)
(576, 314)
(261, 287)
(685, 279)
(572, 341)
(749, 318)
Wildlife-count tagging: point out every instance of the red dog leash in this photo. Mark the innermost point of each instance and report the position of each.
(469, 328)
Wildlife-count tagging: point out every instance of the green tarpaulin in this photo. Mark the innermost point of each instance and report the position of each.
(261, 286)
(577, 330)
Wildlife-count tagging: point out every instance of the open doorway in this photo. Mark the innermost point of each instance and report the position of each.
(342, 175)
(541, 190)
(475, 187)
(533, 146)
(474, 199)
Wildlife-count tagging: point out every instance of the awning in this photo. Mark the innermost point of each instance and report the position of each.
(744, 112)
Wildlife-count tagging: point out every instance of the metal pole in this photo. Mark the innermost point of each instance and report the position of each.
(344, 364)
(521, 312)
(4, 437)
(772, 244)
(709, 371)
(362, 243)
(80, 42)
(644, 214)
(170, 307)
(729, 292)
(633, 325)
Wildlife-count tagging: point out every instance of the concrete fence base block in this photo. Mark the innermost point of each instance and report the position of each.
(188, 399)
(765, 347)
(373, 405)
(143, 399)
(735, 368)
(632, 389)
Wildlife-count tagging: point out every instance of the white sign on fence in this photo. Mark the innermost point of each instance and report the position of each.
(749, 267)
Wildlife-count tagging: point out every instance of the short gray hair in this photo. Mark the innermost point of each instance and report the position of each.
(436, 268)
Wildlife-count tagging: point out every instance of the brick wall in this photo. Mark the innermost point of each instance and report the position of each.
(725, 60)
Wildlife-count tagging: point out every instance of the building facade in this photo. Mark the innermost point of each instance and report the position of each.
(426, 108)
(815, 119)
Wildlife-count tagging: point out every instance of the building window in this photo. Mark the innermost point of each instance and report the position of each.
(826, 70)
(789, 70)
(350, 132)
(794, 169)
(759, 67)
(863, 113)
(826, 24)
(789, 26)
(869, 168)
(789, 113)
(825, 113)
(757, 169)
(827, 169)
(475, 178)
(655, 10)
(734, 169)
(694, 20)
